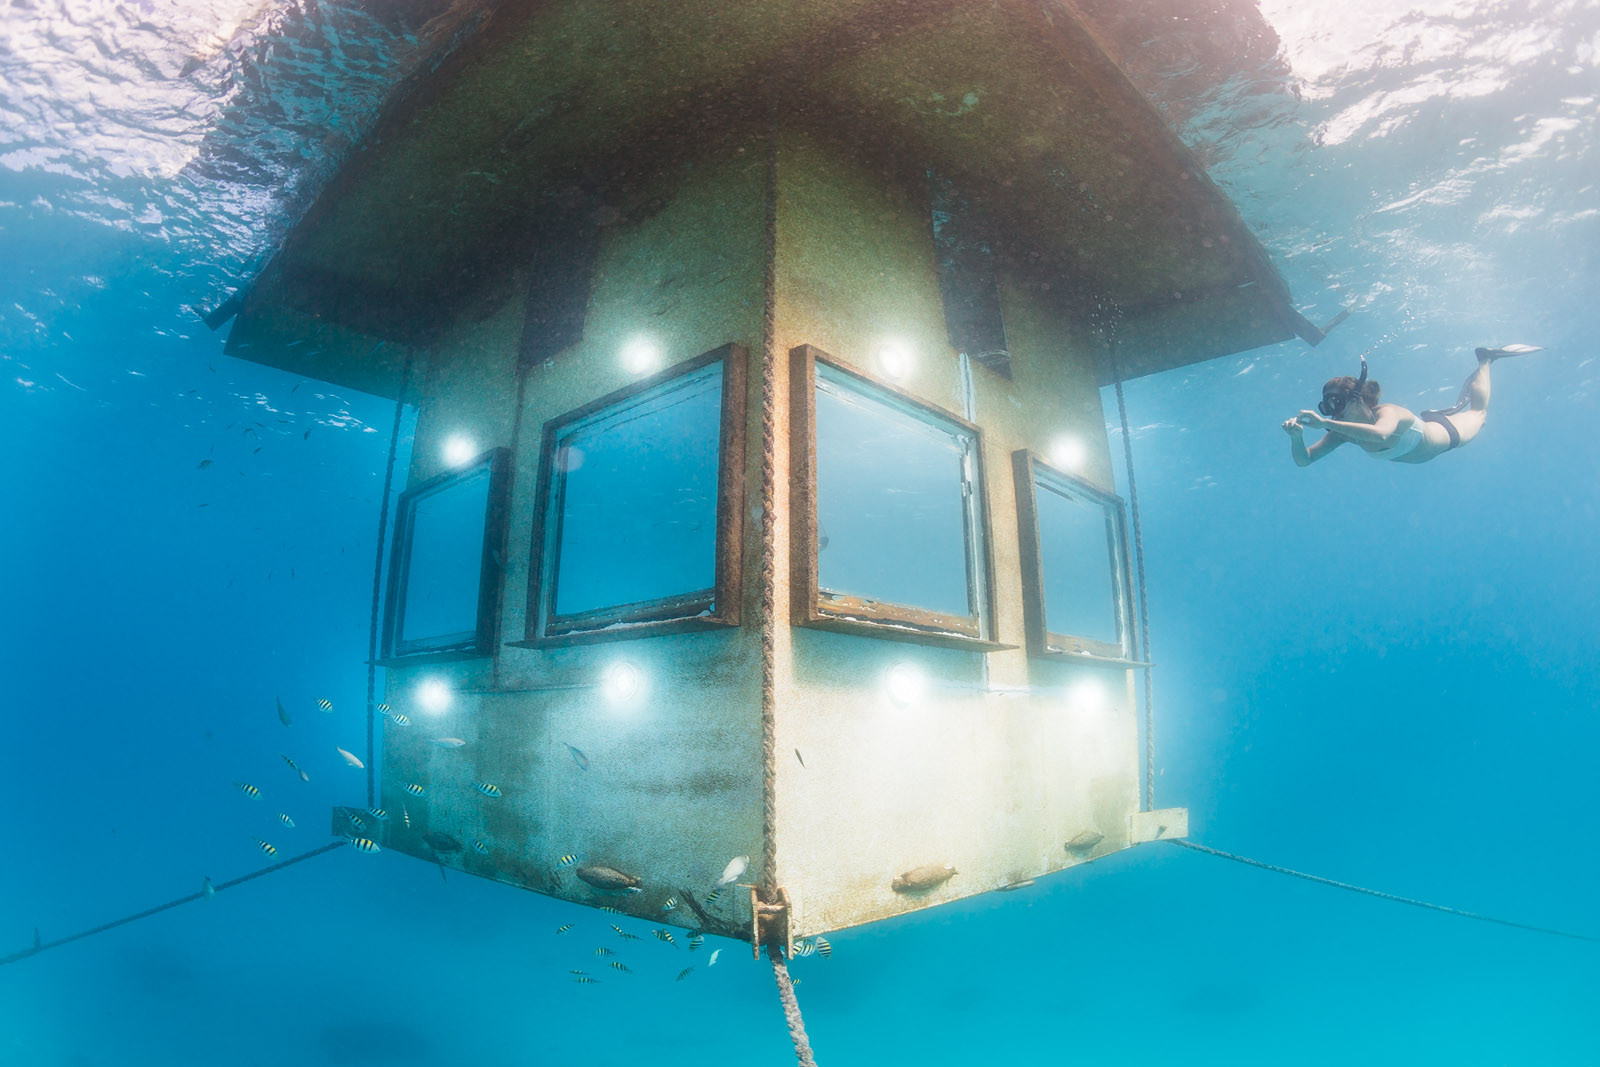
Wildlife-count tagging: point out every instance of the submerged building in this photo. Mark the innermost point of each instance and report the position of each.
(789, 531)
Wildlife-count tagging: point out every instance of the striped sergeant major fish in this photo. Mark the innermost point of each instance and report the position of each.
(363, 844)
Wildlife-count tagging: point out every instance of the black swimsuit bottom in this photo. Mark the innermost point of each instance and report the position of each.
(1444, 420)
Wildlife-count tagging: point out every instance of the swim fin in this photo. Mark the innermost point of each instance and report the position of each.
(1506, 350)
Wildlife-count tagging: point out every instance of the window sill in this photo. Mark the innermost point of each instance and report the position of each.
(1063, 655)
(444, 655)
(889, 631)
(627, 631)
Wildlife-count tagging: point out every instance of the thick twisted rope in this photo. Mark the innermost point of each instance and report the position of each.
(769, 540)
(791, 1009)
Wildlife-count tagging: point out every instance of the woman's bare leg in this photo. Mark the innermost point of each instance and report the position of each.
(1475, 394)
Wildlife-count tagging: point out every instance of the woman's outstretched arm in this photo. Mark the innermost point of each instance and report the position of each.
(1377, 432)
(1304, 456)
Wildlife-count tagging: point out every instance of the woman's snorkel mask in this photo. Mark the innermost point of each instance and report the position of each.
(1335, 401)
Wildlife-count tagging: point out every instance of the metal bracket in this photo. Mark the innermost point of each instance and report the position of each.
(769, 923)
(1158, 825)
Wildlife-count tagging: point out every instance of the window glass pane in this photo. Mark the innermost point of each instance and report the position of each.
(444, 563)
(1076, 551)
(891, 514)
(639, 501)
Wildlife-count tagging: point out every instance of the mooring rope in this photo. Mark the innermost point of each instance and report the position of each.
(1144, 608)
(377, 576)
(1379, 894)
(44, 946)
(769, 540)
(791, 1009)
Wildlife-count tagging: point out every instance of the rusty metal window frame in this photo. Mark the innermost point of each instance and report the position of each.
(1031, 472)
(698, 609)
(480, 641)
(819, 608)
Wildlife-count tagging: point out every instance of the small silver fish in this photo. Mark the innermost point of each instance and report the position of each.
(799, 757)
(448, 742)
(206, 888)
(578, 757)
(349, 757)
(733, 870)
(286, 820)
(712, 962)
(1012, 887)
(283, 714)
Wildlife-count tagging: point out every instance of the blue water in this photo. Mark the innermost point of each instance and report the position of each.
(1381, 673)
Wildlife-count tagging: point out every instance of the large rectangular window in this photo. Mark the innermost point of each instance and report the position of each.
(639, 517)
(444, 574)
(1074, 564)
(888, 510)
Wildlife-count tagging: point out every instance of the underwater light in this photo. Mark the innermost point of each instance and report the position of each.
(459, 449)
(894, 359)
(1087, 695)
(621, 682)
(1068, 453)
(640, 356)
(906, 683)
(434, 696)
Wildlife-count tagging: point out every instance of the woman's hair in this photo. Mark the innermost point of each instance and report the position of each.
(1345, 384)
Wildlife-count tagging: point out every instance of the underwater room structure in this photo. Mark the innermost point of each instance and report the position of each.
(761, 503)
(628, 488)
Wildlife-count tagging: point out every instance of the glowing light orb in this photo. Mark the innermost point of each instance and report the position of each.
(906, 683)
(622, 682)
(640, 356)
(895, 359)
(434, 696)
(459, 450)
(1088, 695)
(1068, 453)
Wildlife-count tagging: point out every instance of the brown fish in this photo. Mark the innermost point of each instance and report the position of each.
(921, 879)
(607, 878)
(441, 842)
(1085, 840)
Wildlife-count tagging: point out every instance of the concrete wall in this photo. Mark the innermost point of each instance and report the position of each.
(673, 788)
(992, 782)
(992, 772)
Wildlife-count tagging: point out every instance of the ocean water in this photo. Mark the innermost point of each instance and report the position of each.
(1380, 673)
